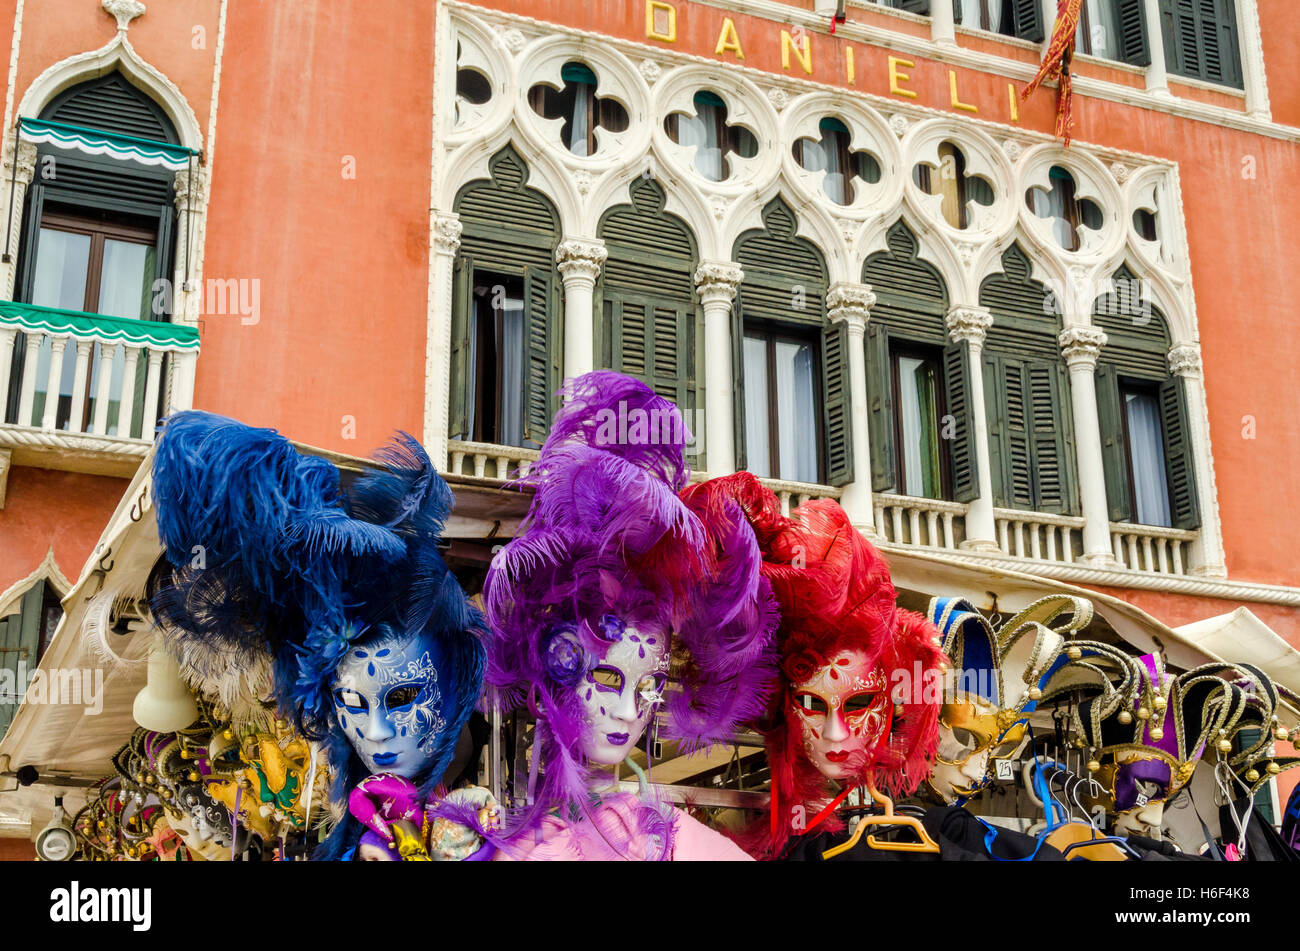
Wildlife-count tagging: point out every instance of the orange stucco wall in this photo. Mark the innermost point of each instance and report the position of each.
(311, 91)
(65, 510)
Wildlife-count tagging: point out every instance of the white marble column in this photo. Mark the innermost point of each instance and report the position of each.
(972, 324)
(1254, 77)
(579, 261)
(1081, 346)
(14, 215)
(1208, 559)
(851, 304)
(187, 296)
(1158, 71)
(716, 283)
(446, 229)
(943, 23)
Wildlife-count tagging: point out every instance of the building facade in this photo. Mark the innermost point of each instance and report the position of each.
(858, 260)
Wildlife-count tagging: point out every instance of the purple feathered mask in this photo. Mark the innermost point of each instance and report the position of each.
(611, 560)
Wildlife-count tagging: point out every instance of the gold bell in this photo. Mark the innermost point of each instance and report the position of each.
(1281, 734)
(148, 778)
(1225, 746)
(228, 733)
(1144, 713)
(1035, 693)
(185, 754)
(1273, 769)
(1125, 717)
(193, 776)
(1161, 703)
(1093, 766)
(1252, 775)
(1157, 734)
(1074, 653)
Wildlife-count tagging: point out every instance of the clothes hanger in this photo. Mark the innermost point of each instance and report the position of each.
(926, 844)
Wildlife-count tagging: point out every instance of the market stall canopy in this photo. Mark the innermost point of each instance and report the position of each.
(72, 742)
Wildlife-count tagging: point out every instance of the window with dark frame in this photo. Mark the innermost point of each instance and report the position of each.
(782, 406)
(920, 454)
(951, 181)
(711, 135)
(577, 103)
(1144, 453)
(496, 411)
(1062, 204)
(831, 153)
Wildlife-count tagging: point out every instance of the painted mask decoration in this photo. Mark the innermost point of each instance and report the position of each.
(203, 824)
(1141, 786)
(389, 704)
(970, 739)
(620, 684)
(843, 708)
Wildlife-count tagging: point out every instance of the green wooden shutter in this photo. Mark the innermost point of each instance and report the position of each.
(964, 472)
(1027, 16)
(1018, 488)
(1201, 40)
(541, 354)
(1179, 465)
(993, 420)
(669, 362)
(738, 381)
(1131, 30)
(1110, 415)
(913, 6)
(837, 403)
(1052, 444)
(20, 636)
(462, 309)
(880, 405)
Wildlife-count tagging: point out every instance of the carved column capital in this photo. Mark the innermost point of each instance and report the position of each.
(1081, 345)
(580, 259)
(446, 234)
(969, 323)
(850, 303)
(718, 281)
(1185, 360)
(26, 163)
(190, 192)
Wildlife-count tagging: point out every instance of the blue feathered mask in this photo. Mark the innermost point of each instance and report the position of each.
(270, 555)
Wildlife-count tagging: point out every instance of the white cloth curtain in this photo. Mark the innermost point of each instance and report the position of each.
(970, 14)
(702, 131)
(1103, 31)
(1146, 443)
(757, 412)
(510, 340)
(834, 182)
(580, 121)
(796, 412)
(908, 370)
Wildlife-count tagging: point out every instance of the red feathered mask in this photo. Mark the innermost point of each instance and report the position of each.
(838, 619)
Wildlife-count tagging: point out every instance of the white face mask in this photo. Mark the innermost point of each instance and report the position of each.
(388, 703)
(1145, 820)
(620, 694)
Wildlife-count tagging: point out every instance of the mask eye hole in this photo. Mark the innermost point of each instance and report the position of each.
(607, 678)
(812, 703)
(401, 697)
(858, 703)
(968, 741)
(352, 701)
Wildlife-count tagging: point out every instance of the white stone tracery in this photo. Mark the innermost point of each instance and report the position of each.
(651, 83)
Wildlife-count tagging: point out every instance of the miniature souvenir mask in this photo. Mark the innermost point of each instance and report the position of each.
(843, 709)
(388, 702)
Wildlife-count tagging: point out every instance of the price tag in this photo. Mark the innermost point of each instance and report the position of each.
(1006, 769)
(1142, 800)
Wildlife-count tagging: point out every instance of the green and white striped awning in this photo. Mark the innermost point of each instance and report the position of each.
(112, 144)
(150, 334)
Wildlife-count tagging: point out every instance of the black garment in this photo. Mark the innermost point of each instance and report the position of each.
(959, 834)
(1151, 850)
(1263, 844)
(1291, 821)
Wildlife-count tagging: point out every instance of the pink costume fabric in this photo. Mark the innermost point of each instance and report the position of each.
(615, 820)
